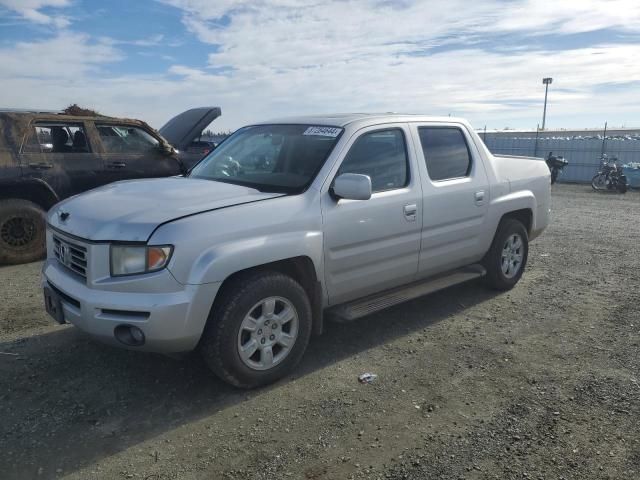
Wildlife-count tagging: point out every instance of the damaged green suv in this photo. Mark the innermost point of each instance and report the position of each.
(46, 157)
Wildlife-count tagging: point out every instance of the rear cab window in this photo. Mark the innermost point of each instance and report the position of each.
(126, 139)
(56, 137)
(446, 152)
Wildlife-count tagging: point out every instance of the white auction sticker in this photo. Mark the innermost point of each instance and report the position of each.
(323, 131)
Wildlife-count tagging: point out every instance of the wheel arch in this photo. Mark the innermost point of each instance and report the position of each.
(524, 216)
(34, 191)
(300, 268)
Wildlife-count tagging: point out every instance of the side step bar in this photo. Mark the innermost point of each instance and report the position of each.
(374, 303)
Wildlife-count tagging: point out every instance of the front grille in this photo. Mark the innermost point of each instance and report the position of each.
(71, 255)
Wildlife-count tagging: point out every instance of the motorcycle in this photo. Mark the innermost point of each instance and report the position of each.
(610, 176)
(555, 163)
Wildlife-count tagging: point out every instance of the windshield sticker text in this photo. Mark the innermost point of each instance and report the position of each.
(323, 131)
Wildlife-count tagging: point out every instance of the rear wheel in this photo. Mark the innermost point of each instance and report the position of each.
(22, 232)
(258, 330)
(507, 257)
(554, 175)
(622, 187)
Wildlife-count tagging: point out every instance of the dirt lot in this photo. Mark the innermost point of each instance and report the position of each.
(540, 383)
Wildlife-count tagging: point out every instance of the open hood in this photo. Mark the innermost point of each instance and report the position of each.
(182, 129)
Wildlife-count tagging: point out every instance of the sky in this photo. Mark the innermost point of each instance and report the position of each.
(263, 59)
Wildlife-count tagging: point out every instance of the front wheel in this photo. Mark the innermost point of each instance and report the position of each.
(554, 175)
(506, 259)
(258, 330)
(599, 182)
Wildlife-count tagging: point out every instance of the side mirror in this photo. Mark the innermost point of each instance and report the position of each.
(352, 186)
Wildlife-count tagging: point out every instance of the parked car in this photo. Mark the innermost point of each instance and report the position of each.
(200, 148)
(243, 259)
(184, 133)
(46, 157)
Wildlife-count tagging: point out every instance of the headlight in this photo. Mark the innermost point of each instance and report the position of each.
(132, 259)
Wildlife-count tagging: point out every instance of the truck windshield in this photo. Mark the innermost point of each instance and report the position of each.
(271, 158)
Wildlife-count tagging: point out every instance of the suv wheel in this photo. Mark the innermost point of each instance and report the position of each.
(22, 232)
(258, 330)
(507, 258)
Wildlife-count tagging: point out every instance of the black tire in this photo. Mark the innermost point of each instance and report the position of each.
(554, 175)
(22, 232)
(622, 187)
(596, 185)
(219, 343)
(495, 277)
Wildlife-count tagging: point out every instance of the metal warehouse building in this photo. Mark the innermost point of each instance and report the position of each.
(582, 148)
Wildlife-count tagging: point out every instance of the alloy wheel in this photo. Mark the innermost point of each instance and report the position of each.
(512, 256)
(268, 333)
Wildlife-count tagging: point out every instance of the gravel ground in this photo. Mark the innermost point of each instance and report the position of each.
(538, 383)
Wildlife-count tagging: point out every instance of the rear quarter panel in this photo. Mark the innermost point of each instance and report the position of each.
(529, 186)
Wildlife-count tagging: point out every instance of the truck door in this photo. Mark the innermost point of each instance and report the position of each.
(456, 197)
(372, 245)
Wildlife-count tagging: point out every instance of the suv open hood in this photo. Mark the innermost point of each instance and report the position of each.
(131, 210)
(183, 128)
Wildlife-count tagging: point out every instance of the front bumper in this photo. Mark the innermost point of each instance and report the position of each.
(172, 320)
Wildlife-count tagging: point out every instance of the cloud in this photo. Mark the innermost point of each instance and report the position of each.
(286, 34)
(266, 59)
(151, 41)
(570, 16)
(417, 56)
(67, 56)
(30, 10)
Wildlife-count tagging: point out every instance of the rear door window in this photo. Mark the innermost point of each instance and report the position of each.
(126, 139)
(56, 138)
(445, 152)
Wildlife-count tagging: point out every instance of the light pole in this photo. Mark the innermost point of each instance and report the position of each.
(546, 82)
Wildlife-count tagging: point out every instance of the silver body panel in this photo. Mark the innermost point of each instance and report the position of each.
(358, 247)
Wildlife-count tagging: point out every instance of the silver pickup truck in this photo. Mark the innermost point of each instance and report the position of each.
(284, 224)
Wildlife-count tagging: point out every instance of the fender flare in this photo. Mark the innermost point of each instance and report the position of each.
(219, 262)
(24, 185)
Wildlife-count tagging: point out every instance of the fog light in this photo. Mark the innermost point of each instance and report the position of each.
(137, 335)
(129, 335)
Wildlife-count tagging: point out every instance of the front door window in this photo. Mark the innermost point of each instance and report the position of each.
(126, 139)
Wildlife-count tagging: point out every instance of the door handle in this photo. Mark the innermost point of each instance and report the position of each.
(479, 196)
(116, 165)
(41, 166)
(410, 212)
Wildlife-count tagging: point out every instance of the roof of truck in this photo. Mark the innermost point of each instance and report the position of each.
(344, 119)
